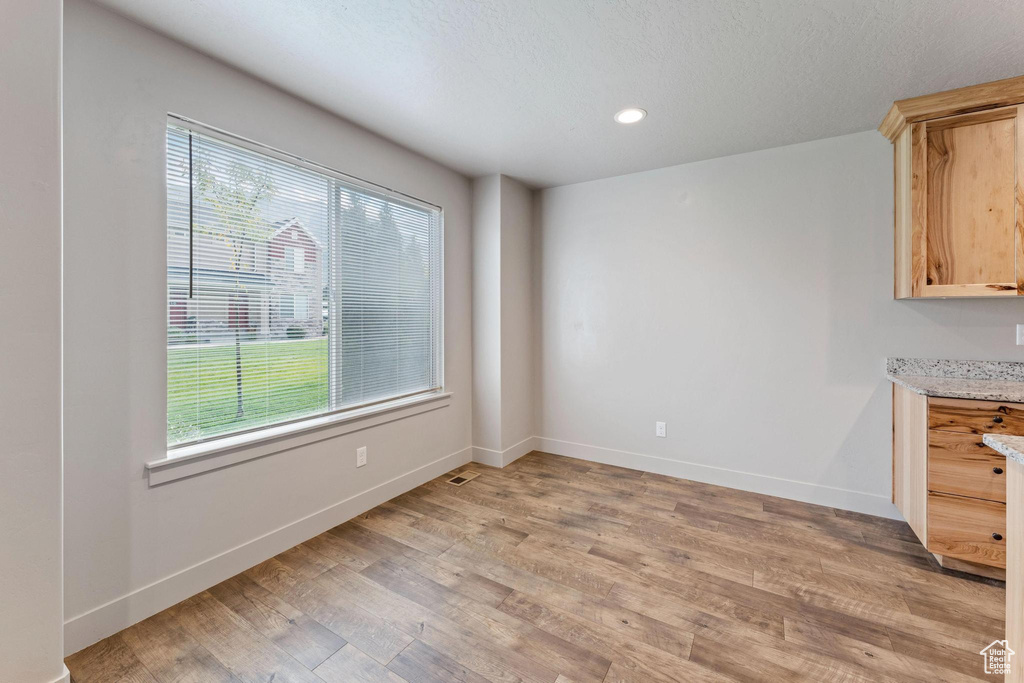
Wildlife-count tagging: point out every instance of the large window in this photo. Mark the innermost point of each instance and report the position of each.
(292, 290)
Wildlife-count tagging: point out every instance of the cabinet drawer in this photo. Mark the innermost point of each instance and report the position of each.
(975, 417)
(962, 465)
(967, 529)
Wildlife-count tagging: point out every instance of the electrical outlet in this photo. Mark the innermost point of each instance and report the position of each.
(1020, 335)
(360, 456)
(659, 429)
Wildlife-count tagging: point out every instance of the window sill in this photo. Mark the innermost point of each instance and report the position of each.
(212, 455)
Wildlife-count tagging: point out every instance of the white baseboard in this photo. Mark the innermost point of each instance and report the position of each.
(807, 492)
(92, 626)
(487, 456)
(64, 677)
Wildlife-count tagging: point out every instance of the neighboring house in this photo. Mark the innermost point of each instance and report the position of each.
(295, 258)
(275, 292)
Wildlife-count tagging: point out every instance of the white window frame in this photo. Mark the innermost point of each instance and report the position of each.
(291, 302)
(295, 258)
(298, 299)
(217, 452)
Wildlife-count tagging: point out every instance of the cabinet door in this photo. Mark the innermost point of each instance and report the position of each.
(967, 529)
(965, 205)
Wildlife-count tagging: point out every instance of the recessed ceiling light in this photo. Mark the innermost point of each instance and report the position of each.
(631, 115)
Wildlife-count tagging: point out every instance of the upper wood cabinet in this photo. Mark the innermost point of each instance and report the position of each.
(959, 174)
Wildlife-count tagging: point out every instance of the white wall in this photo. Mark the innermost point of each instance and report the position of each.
(131, 549)
(487, 313)
(503, 424)
(746, 301)
(516, 313)
(31, 601)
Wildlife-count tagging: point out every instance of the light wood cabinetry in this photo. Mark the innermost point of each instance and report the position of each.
(960, 464)
(959, 174)
(910, 458)
(967, 529)
(950, 487)
(966, 416)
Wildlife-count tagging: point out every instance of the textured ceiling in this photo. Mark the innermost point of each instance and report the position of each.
(529, 87)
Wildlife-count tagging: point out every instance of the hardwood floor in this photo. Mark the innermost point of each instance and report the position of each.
(555, 569)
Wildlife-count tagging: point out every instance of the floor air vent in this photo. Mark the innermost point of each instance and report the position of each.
(460, 479)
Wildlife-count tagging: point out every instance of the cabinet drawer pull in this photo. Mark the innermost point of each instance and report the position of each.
(997, 470)
(997, 537)
(997, 419)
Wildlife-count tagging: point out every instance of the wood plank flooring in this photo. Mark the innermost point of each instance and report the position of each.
(561, 570)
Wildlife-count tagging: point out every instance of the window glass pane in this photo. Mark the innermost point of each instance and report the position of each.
(287, 306)
(235, 360)
(388, 317)
(290, 292)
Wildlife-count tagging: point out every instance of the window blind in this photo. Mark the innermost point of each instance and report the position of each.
(293, 291)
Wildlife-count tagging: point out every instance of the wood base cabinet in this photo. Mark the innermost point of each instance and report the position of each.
(950, 487)
(959, 170)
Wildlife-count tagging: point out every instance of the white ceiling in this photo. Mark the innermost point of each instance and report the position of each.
(528, 87)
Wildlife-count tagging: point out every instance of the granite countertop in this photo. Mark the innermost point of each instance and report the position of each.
(955, 387)
(979, 380)
(1010, 446)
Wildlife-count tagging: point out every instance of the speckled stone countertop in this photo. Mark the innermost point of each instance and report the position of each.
(1010, 446)
(980, 380)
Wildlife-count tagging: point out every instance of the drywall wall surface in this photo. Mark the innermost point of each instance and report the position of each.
(516, 313)
(487, 313)
(746, 302)
(131, 548)
(31, 602)
(503, 369)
